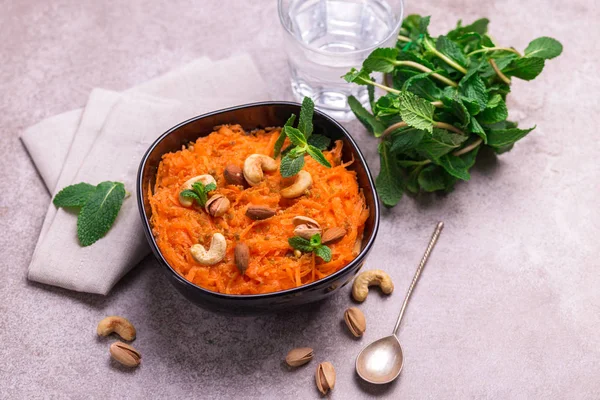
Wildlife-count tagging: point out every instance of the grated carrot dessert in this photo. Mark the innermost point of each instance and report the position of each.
(334, 200)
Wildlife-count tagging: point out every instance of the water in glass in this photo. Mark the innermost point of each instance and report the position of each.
(328, 37)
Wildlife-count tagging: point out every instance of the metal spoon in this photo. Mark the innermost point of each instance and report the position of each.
(381, 361)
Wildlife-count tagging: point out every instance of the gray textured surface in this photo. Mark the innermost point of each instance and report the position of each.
(509, 306)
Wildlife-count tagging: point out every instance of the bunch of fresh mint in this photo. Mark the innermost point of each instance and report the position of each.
(445, 100)
(98, 207)
(302, 141)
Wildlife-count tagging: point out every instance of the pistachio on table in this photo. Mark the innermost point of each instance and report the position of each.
(299, 356)
(325, 377)
(125, 354)
(355, 320)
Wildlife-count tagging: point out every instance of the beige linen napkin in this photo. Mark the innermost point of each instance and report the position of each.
(111, 135)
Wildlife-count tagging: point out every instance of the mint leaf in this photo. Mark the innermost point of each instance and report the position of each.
(405, 139)
(300, 243)
(282, 136)
(315, 240)
(388, 187)
(359, 77)
(451, 50)
(291, 165)
(318, 156)
(476, 128)
(416, 111)
(458, 109)
(431, 179)
(525, 68)
(305, 124)
(381, 60)
(296, 137)
(190, 194)
(480, 27)
(455, 166)
(473, 93)
(99, 212)
(544, 47)
(387, 106)
(199, 192)
(439, 142)
(495, 111)
(366, 118)
(498, 138)
(422, 86)
(371, 93)
(321, 142)
(324, 252)
(74, 196)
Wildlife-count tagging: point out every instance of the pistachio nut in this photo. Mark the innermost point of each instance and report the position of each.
(125, 354)
(325, 377)
(306, 232)
(355, 320)
(217, 205)
(299, 356)
(306, 227)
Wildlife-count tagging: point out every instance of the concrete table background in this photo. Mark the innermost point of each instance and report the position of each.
(509, 306)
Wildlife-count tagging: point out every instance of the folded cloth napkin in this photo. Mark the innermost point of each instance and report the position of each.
(105, 141)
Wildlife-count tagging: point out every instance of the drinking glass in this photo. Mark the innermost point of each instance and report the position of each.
(325, 38)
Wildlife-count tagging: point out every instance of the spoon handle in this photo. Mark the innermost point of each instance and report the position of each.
(432, 242)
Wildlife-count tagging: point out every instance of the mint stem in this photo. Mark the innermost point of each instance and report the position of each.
(488, 49)
(423, 68)
(437, 124)
(443, 57)
(503, 77)
(403, 38)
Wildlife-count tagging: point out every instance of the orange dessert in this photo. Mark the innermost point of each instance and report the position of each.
(255, 220)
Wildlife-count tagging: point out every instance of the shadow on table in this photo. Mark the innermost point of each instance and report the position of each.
(375, 390)
(228, 346)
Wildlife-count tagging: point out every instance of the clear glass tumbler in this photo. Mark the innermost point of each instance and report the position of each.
(325, 38)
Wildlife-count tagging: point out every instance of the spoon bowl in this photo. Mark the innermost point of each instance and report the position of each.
(381, 361)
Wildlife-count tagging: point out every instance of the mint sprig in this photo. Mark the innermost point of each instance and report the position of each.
(303, 141)
(313, 245)
(198, 192)
(446, 98)
(99, 206)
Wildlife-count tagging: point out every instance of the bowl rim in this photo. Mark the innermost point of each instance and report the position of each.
(286, 292)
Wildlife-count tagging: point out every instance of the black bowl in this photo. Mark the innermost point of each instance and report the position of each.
(252, 116)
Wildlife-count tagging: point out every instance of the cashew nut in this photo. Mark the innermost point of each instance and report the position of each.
(119, 325)
(298, 188)
(216, 252)
(377, 277)
(205, 179)
(254, 166)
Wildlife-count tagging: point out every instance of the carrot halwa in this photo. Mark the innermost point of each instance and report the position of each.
(334, 200)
